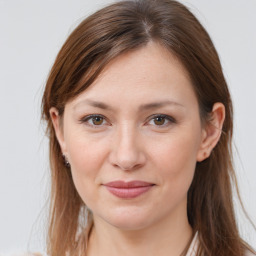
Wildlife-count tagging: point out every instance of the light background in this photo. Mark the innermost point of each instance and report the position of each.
(31, 34)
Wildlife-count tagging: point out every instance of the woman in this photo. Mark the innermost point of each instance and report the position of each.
(140, 124)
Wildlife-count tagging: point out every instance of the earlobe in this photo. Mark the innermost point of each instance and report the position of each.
(56, 121)
(212, 131)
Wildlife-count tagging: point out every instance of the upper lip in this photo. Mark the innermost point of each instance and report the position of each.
(130, 184)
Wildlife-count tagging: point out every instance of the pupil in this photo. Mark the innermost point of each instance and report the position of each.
(159, 120)
(97, 120)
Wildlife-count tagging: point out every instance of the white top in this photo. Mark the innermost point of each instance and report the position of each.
(193, 246)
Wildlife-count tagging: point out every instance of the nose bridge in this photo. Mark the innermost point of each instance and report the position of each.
(127, 151)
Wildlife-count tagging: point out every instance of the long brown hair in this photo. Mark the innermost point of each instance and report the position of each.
(108, 33)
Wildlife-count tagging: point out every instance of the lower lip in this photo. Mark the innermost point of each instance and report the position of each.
(128, 192)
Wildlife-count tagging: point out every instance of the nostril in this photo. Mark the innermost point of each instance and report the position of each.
(126, 167)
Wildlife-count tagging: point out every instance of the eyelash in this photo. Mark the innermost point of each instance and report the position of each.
(168, 118)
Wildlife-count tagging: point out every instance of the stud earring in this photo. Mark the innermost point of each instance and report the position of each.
(67, 164)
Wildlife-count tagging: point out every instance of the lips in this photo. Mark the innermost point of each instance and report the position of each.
(128, 190)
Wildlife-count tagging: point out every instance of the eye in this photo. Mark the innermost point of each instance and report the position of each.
(161, 120)
(94, 120)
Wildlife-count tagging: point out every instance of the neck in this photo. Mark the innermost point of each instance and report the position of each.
(167, 237)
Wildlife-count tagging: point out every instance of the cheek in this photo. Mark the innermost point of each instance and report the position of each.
(86, 159)
(85, 153)
(175, 158)
(176, 165)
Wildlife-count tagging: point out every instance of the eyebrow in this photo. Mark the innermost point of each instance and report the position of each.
(159, 104)
(148, 106)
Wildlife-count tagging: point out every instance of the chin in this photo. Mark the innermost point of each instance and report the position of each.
(124, 224)
(128, 219)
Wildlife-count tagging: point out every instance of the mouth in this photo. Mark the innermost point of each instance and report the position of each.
(128, 190)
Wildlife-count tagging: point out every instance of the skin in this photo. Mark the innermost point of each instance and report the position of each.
(129, 143)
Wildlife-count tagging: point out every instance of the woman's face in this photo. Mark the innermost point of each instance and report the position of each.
(133, 139)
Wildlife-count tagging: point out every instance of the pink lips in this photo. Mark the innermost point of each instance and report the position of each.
(128, 190)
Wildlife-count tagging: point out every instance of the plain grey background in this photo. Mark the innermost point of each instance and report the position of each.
(32, 33)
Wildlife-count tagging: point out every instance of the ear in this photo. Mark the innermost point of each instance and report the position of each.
(58, 127)
(212, 131)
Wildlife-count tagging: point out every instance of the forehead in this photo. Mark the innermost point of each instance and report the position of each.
(147, 74)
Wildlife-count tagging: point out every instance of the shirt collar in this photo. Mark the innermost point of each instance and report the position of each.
(193, 246)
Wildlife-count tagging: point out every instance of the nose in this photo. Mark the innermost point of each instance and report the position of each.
(127, 150)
